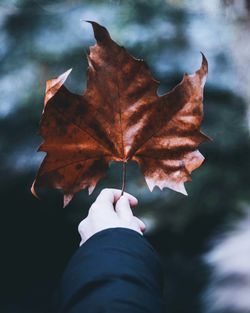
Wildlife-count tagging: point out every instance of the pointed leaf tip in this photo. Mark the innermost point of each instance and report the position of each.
(204, 63)
(66, 199)
(54, 84)
(91, 189)
(181, 189)
(58, 80)
(65, 75)
(100, 32)
(32, 189)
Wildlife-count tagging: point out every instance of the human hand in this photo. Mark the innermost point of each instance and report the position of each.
(109, 211)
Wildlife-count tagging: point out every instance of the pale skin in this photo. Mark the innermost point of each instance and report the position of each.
(110, 210)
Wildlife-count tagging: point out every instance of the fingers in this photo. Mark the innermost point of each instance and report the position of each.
(112, 195)
(103, 215)
(124, 211)
(107, 198)
(123, 208)
(141, 224)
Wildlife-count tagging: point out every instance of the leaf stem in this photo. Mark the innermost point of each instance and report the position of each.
(124, 168)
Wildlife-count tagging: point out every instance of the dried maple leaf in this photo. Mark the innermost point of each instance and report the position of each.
(120, 117)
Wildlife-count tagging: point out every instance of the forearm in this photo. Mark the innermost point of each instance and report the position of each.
(116, 270)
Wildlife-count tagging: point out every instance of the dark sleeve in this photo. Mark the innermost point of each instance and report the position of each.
(116, 270)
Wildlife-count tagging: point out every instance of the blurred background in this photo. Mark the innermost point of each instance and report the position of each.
(203, 239)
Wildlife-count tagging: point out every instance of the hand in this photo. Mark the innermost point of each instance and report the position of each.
(109, 211)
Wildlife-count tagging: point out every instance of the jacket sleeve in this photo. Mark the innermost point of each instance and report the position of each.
(116, 270)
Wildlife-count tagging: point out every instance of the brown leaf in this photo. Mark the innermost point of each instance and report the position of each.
(120, 117)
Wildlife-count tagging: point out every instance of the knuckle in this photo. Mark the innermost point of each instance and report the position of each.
(122, 198)
(135, 220)
(93, 208)
(105, 190)
(81, 225)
